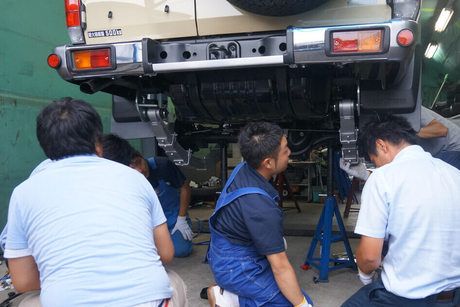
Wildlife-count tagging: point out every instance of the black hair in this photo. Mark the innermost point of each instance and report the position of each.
(393, 129)
(118, 149)
(68, 127)
(258, 141)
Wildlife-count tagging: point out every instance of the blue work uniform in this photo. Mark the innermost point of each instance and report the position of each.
(235, 258)
(166, 178)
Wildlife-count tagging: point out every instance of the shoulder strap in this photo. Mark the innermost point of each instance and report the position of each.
(230, 197)
(152, 162)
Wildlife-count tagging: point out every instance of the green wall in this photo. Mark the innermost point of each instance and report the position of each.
(29, 30)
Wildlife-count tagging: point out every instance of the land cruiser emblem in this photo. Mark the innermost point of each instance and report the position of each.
(103, 33)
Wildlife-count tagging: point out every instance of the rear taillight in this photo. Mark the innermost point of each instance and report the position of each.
(363, 41)
(92, 59)
(54, 61)
(73, 13)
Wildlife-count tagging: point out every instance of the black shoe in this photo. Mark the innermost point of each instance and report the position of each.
(204, 293)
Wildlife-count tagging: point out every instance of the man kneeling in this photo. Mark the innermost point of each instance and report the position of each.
(247, 251)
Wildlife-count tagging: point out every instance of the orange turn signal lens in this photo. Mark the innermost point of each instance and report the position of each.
(54, 61)
(363, 41)
(91, 59)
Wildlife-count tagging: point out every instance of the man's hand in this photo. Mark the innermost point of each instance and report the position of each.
(304, 303)
(366, 278)
(183, 227)
(358, 171)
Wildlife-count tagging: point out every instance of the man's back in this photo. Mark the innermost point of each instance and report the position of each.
(88, 222)
(419, 196)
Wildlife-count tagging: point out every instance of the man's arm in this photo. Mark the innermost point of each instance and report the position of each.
(24, 273)
(369, 254)
(434, 129)
(285, 277)
(163, 243)
(185, 196)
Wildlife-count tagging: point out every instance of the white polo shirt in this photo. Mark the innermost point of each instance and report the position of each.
(414, 203)
(88, 222)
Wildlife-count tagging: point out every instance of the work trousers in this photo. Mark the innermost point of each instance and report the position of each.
(451, 157)
(182, 246)
(178, 299)
(375, 294)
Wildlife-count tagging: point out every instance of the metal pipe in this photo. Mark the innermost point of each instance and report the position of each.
(330, 173)
(95, 85)
(439, 91)
(223, 163)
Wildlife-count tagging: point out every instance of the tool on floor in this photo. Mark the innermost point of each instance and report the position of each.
(325, 236)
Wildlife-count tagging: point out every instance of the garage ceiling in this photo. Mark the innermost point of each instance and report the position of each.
(447, 58)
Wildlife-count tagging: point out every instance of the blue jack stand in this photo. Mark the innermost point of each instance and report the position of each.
(324, 235)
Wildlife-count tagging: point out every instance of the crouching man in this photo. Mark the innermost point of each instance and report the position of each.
(247, 251)
(84, 230)
(411, 201)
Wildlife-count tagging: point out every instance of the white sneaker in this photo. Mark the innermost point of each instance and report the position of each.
(219, 297)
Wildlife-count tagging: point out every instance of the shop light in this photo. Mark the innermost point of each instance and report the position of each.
(431, 50)
(443, 19)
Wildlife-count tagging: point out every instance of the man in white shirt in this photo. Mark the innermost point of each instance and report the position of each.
(84, 230)
(411, 201)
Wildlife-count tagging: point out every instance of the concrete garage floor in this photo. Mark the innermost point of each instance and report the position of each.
(342, 283)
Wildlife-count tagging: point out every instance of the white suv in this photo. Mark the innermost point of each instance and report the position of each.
(319, 68)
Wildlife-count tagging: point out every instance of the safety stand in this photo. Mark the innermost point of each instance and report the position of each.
(324, 235)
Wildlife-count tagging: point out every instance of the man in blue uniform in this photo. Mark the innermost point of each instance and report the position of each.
(169, 182)
(247, 253)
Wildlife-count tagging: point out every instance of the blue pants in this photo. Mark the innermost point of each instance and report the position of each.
(451, 157)
(375, 295)
(279, 300)
(182, 247)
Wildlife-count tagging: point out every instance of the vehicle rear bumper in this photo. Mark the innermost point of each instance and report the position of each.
(296, 46)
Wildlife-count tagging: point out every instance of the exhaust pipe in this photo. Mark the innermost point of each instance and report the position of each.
(95, 85)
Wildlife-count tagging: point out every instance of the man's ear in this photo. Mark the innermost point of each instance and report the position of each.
(135, 163)
(99, 149)
(139, 165)
(381, 145)
(267, 163)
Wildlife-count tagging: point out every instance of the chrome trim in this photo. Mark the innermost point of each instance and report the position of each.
(305, 39)
(127, 53)
(218, 64)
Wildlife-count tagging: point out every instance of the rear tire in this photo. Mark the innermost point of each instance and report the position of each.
(276, 7)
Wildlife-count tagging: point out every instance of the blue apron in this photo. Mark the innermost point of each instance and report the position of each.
(240, 269)
(169, 198)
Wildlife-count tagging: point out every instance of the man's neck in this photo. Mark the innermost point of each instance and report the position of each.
(397, 148)
(264, 172)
